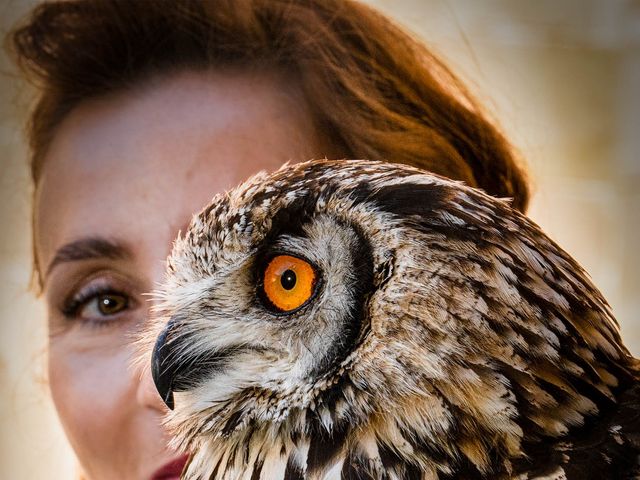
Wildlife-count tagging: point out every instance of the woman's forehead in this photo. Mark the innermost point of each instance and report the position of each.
(135, 166)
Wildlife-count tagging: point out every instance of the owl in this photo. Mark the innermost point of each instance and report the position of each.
(367, 320)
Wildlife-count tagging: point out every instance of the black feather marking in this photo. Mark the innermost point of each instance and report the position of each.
(353, 323)
(410, 199)
(390, 459)
(384, 271)
(292, 471)
(616, 434)
(292, 218)
(412, 472)
(402, 466)
(325, 446)
(232, 422)
(355, 468)
(257, 470)
(606, 446)
(214, 474)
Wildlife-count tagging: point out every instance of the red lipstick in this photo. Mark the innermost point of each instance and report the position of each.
(171, 470)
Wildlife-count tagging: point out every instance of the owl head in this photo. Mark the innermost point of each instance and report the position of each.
(343, 308)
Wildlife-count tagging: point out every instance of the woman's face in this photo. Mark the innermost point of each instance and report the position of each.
(123, 175)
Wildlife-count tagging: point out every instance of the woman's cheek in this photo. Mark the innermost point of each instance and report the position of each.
(93, 390)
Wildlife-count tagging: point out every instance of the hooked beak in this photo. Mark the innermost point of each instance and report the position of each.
(173, 372)
(163, 370)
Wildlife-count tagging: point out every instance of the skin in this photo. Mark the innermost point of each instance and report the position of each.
(130, 169)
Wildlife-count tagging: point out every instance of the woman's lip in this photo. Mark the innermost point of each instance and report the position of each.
(171, 470)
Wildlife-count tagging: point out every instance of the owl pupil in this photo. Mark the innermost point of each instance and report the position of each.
(288, 279)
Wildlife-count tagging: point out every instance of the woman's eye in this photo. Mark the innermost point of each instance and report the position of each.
(288, 283)
(97, 306)
(110, 303)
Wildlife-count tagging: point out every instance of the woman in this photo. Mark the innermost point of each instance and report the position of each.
(146, 109)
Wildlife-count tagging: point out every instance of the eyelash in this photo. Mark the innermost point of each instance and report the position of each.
(75, 303)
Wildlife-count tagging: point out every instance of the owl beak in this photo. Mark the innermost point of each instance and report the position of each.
(175, 369)
(162, 369)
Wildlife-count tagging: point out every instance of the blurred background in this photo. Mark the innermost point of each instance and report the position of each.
(562, 78)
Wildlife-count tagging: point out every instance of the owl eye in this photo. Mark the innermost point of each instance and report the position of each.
(288, 282)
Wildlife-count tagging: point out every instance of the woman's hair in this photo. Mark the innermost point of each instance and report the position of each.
(377, 92)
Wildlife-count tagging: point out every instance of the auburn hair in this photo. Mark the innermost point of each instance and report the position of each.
(376, 91)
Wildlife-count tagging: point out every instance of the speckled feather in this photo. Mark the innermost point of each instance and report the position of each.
(450, 338)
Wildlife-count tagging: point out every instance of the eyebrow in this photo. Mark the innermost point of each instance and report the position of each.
(89, 248)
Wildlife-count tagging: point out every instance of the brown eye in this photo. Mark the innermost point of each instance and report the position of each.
(110, 304)
(100, 305)
(288, 282)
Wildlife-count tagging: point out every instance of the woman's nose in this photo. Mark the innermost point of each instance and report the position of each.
(147, 394)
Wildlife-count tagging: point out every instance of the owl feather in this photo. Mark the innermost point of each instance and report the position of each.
(442, 336)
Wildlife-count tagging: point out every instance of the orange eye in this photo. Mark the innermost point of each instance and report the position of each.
(288, 282)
